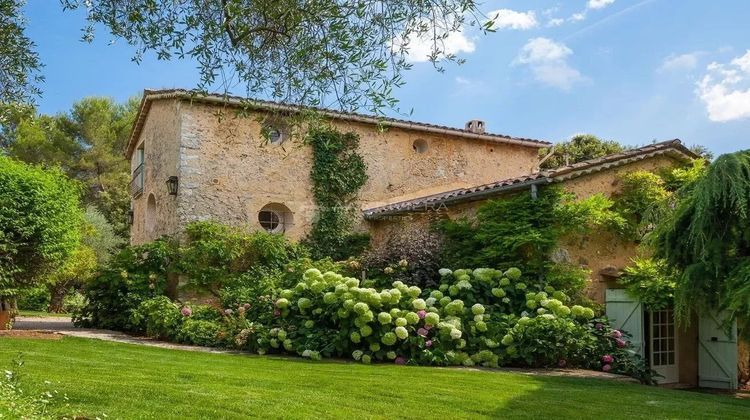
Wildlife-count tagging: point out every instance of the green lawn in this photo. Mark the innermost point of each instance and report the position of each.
(40, 314)
(130, 381)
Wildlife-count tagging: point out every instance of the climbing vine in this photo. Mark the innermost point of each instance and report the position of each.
(338, 173)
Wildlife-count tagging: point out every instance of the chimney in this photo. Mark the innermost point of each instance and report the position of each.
(475, 126)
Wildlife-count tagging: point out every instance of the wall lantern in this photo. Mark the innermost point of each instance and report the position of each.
(131, 216)
(172, 183)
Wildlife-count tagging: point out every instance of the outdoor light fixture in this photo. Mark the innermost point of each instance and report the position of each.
(172, 184)
(131, 216)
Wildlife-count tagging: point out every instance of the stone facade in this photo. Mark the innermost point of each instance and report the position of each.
(227, 173)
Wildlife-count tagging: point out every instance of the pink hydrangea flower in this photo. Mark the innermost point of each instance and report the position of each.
(228, 312)
(400, 360)
(620, 342)
(616, 333)
(607, 358)
(423, 332)
(246, 306)
(428, 343)
(606, 368)
(422, 313)
(562, 363)
(599, 326)
(186, 311)
(276, 312)
(427, 327)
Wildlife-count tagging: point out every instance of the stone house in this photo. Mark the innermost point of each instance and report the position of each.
(193, 158)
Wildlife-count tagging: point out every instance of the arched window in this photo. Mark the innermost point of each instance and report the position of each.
(275, 218)
(151, 213)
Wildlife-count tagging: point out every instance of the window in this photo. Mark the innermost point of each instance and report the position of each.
(269, 219)
(275, 218)
(136, 183)
(419, 145)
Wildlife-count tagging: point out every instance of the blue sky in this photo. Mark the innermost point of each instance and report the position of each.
(632, 71)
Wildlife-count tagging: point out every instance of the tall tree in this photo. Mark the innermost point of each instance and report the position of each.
(579, 148)
(708, 239)
(19, 63)
(87, 144)
(344, 53)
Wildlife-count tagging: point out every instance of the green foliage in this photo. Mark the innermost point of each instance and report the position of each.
(87, 143)
(475, 317)
(133, 276)
(651, 281)
(159, 317)
(642, 200)
(707, 238)
(100, 235)
(521, 231)
(579, 148)
(39, 222)
(19, 63)
(214, 254)
(353, 53)
(33, 299)
(338, 173)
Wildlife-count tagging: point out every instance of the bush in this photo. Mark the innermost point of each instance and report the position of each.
(39, 221)
(159, 317)
(33, 299)
(200, 332)
(133, 276)
(411, 254)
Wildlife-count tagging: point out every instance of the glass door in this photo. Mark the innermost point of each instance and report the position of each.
(663, 345)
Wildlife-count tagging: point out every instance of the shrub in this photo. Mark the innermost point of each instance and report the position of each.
(200, 332)
(651, 281)
(133, 276)
(39, 221)
(412, 254)
(159, 317)
(33, 299)
(549, 341)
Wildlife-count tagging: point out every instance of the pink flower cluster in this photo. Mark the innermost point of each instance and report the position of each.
(186, 311)
(422, 313)
(400, 360)
(607, 360)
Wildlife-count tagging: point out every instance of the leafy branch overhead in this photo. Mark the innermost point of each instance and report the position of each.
(332, 53)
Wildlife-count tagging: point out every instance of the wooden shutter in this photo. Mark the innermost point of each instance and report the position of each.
(717, 352)
(626, 313)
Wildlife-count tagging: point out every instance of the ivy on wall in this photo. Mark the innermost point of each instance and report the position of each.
(338, 174)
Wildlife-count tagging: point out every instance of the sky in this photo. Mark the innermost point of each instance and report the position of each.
(626, 70)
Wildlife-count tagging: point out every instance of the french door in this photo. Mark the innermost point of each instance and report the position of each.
(663, 345)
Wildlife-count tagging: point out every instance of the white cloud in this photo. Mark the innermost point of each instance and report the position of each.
(555, 22)
(577, 17)
(547, 60)
(599, 4)
(463, 81)
(725, 89)
(682, 62)
(510, 19)
(420, 48)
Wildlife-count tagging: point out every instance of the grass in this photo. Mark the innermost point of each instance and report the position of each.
(41, 314)
(130, 381)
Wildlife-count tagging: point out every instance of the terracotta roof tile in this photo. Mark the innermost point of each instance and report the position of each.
(674, 147)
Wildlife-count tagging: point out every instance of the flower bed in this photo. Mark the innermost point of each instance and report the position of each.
(479, 317)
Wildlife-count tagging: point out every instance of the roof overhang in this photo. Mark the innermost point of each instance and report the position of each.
(672, 148)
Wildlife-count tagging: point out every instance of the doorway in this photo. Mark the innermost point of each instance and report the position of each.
(663, 345)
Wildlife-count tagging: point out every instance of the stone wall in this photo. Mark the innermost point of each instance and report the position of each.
(159, 140)
(228, 174)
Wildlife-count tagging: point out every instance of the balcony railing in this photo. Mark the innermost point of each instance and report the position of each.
(136, 185)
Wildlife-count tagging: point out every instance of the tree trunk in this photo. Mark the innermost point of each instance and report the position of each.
(57, 298)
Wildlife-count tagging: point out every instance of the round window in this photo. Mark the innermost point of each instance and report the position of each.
(419, 145)
(269, 220)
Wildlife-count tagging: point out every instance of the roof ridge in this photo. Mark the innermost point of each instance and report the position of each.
(150, 95)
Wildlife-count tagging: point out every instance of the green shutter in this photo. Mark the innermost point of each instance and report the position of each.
(717, 352)
(626, 313)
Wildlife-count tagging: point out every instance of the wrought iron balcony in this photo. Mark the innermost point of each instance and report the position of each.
(136, 185)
